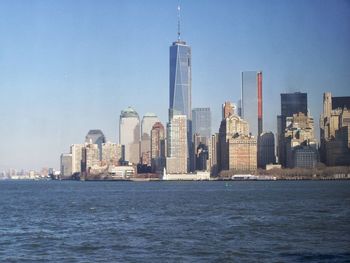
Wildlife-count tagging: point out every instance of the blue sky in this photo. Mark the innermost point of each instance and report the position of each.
(70, 66)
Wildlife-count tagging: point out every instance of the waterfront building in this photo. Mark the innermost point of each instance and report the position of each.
(129, 134)
(201, 121)
(251, 101)
(266, 149)
(228, 109)
(96, 137)
(158, 147)
(238, 149)
(92, 155)
(291, 103)
(148, 120)
(335, 130)
(76, 151)
(242, 153)
(177, 149)
(66, 165)
(305, 156)
(180, 85)
(112, 153)
(299, 140)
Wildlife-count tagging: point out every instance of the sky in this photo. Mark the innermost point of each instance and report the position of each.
(70, 66)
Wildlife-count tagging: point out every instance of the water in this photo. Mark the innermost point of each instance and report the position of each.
(282, 221)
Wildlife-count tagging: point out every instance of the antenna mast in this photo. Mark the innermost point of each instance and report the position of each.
(178, 23)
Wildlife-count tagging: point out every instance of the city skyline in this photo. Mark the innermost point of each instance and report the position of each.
(61, 76)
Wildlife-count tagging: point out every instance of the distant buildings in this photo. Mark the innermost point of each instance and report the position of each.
(66, 164)
(129, 134)
(299, 142)
(201, 122)
(112, 153)
(266, 149)
(228, 109)
(201, 154)
(213, 154)
(335, 130)
(92, 154)
(177, 149)
(238, 150)
(291, 103)
(148, 120)
(96, 137)
(251, 101)
(158, 155)
(76, 151)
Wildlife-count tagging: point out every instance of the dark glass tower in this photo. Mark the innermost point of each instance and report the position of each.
(291, 103)
(180, 79)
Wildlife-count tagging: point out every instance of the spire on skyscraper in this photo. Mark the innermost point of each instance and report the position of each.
(178, 23)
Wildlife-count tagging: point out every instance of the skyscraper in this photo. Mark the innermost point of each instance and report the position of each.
(335, 130)
(158, 147)
(111, 153)
(76, 151)
(96, 137)
(180, 83)
(129, 134)
(299, 141)
(251, 101)
(201, 121)
(180, 80)
(266, 149)
(238, 150)
(177, 160)
(291, 103)
(148, 120)
(66, 164)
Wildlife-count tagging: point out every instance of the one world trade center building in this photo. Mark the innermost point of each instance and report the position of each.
(180, 85)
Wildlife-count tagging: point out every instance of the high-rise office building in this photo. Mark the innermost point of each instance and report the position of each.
(148, 120)
(291, 103)
(299, 141)
(213, 154)
(201, 122)
(238, 149)
(266, 149)
(158, 147)
(92, 155)
(251, 101)
(112, 153)
(180, 84)
(96, 137)
(76, 151)
(177, 150)
(335, 130)
(129, 134)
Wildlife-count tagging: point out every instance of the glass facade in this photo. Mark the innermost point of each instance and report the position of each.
(201, 121)
(180, 79)
(180, 85)
(292, 103)
(251, 100)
